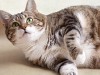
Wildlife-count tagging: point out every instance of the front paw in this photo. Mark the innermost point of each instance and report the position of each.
(80, 59)
(69, 69)
(70, 73)
(78, 54)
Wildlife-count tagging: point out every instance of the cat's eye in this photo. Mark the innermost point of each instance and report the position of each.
(29, 20)
(15, 24)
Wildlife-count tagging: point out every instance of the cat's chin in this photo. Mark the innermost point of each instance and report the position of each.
(22, 38)
(25, 35)
(21, 34)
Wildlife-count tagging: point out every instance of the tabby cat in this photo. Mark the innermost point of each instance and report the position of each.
(61, 41)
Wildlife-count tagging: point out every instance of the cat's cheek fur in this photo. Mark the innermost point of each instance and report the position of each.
(68, 69)
(34, 33)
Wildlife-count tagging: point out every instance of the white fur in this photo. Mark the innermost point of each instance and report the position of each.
(83, 22)
(35, 52)
(82, 19)
(78, 43)
(37, 49)
(81, 58)
(68, 69)
(32, 34)
(88, 49)
(35, 33)
(26, 42)
(31, 29)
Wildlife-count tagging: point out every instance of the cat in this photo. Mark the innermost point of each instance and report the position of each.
(61, 41)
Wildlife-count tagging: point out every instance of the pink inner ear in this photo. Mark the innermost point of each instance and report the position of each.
(4, 17)
(31, 6)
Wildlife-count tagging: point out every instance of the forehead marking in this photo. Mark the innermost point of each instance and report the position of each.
(19, 16)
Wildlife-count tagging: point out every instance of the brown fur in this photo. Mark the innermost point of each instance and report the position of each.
(57, 46)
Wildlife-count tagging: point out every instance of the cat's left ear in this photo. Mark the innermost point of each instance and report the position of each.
(31, 6)
(4, 18)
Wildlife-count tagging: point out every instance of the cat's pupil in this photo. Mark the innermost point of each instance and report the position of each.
(29, 20)
(15, 24)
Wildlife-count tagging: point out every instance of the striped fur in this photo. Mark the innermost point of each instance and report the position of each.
(61, 41)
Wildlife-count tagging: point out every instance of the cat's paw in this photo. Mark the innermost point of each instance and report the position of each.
(68, 69)
(75, 52)
(81, 58)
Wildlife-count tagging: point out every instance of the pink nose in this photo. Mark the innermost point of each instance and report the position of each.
(24, 26)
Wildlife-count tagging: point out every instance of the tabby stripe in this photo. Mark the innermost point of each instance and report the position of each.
(60, 34)
(72, 38)
(71, 28)
(62, 63)
(71, 35)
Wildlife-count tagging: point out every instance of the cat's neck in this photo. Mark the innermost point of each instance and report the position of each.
(35, 49)
(39, 43)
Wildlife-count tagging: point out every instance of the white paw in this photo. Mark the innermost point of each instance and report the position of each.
(68, 69)
(80, 58)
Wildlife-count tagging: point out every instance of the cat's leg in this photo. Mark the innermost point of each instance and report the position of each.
(73, 41)
(59, 60)
(66, 67)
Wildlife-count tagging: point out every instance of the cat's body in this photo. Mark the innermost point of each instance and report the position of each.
(88, 17)
(59, 41)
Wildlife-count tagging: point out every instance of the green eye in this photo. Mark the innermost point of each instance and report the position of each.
(15, 24)
(29, 20)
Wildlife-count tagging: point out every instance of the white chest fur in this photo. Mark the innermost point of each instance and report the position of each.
(32, 49)
(35, 52)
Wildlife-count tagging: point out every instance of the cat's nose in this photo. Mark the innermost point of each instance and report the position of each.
(24, 27)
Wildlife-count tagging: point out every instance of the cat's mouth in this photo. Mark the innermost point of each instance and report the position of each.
(25, 32)
(22, 33)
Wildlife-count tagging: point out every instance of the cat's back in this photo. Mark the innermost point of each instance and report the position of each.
(87, 16)
(86, 10)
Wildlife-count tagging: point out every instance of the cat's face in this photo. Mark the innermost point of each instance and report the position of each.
(28, 25)
(25, 25)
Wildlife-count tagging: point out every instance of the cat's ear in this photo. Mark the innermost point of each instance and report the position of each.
(4, 17)
(31, 6)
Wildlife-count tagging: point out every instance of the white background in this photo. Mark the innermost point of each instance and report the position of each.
(44, 6)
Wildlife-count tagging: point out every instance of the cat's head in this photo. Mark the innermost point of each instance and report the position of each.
(29, 24)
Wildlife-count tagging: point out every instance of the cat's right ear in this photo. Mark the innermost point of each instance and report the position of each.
(31, 6)
(4, 18)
